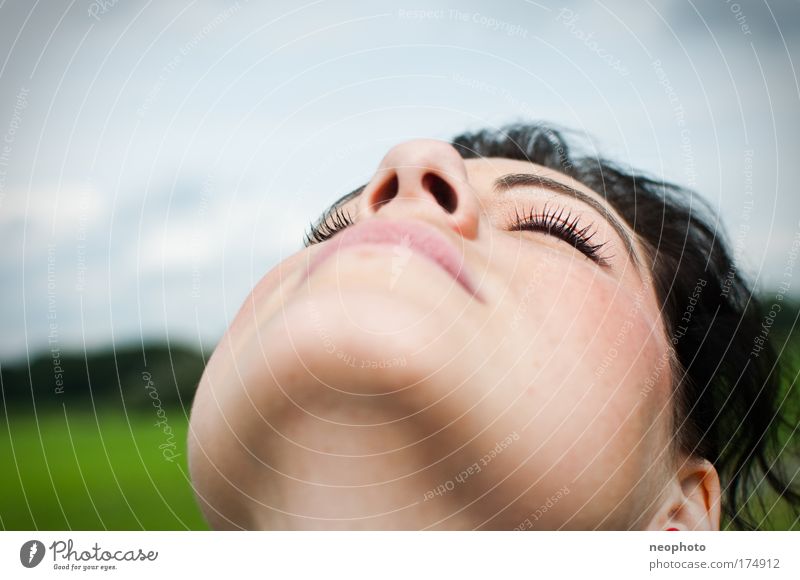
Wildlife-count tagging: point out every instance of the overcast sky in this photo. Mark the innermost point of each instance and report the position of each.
(156, 159)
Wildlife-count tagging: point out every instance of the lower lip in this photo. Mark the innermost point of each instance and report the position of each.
(418, 238)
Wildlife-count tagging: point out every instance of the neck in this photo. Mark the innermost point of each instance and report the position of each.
(358, 465)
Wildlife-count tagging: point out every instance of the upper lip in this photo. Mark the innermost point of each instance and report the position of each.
(419, 237)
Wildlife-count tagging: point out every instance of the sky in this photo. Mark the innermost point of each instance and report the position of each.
(157, 159)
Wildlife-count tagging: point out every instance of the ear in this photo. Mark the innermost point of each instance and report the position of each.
(691, 500)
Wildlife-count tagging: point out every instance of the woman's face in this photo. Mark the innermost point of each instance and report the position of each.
(481, 348)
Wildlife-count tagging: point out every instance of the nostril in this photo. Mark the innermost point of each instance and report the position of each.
(441, 190)
(385, 192)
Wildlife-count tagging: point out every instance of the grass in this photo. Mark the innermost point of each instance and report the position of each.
(94, 472)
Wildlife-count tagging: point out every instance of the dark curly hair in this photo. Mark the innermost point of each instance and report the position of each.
(730, 408)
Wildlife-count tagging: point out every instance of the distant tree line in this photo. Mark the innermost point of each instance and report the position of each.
(129, 377)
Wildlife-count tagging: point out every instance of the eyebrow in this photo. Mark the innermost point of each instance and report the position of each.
(512, 180)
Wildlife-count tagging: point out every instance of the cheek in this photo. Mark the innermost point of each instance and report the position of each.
(590, 332)
(595, 362)
(264, 300)
(592, 338)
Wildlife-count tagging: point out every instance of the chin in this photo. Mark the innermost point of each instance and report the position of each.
(362, 340)
(360, 310)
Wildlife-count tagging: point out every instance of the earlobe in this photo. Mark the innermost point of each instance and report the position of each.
(693, 502)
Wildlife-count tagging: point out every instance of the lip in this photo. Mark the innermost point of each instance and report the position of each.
(417, 236)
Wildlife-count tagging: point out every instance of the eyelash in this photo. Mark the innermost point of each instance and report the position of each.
(551, 221)
(331, 222)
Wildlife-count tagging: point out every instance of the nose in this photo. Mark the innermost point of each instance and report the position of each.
(424, 179)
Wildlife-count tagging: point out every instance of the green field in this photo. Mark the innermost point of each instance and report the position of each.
(81, 471)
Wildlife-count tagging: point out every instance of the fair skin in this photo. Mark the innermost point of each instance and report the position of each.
(376, 391)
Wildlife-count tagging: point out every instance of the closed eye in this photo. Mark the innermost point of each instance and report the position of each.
(331, 222)
(559, 222)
